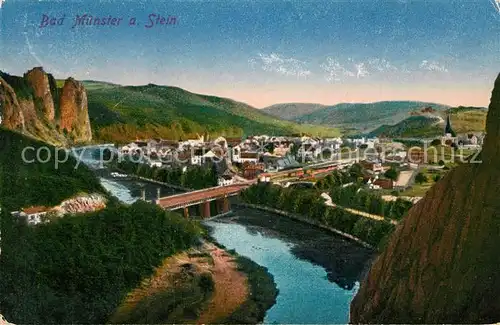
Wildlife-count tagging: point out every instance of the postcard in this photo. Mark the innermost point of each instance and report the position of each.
(249, 161)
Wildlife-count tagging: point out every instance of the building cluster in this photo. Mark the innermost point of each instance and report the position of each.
(251, 156)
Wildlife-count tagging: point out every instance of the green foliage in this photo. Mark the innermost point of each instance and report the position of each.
(335, 179)
(170, 112)
(263, 293)
(392, 173)
(20, 85)
(309, 204)
(363, 116)
(177, 304)
(436, 178)
(356, 171)
(421, 178)
(26, 183)
(195, 177)
(435, 142)
(355, 197)
(79, 268)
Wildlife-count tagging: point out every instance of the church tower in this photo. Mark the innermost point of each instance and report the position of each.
(448, 129)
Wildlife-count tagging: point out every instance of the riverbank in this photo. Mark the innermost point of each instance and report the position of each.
(310, 207)
(203, 285)
(262, 290)
(304, 220)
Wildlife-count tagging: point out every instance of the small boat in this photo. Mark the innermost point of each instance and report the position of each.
(118, 175)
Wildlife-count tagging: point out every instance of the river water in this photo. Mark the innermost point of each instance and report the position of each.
(316, 272)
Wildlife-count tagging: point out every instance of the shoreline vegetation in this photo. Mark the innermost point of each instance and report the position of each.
(262, 288)
(312, 207)
(207, 284)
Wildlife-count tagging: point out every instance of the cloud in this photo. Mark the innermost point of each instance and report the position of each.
(381, 65)
(432, 66)
(361, 70)
(335, 71)
(282, 65)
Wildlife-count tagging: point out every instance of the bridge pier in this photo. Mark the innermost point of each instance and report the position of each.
(186, 212)
(226, 205)
(205, 209)
(143, 194)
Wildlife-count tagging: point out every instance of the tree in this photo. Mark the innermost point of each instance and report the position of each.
(436, 178)
(441, 163)
(420, 178)
(294, 150)
(436, 142)
(356, 171)
(392, 173)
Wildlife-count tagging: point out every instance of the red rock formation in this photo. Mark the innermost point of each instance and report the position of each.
(73, 105)
(27, 104)
(11, 114)
(442, 263)
(39, 81)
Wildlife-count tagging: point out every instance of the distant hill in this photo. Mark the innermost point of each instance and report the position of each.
(366, 116)
(424, 124)
(291, 111)
(119, 113)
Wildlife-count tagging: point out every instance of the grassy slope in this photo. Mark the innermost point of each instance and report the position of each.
(291, 111)
(463, 120)
(121, 112)
(24, 184)
(365, 116)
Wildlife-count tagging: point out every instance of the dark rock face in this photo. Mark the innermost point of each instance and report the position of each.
(35, 106)
(442, 263)
(11, 115)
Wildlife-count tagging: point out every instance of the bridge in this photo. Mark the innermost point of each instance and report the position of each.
(203, 197)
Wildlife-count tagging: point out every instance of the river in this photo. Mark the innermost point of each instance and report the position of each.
(316, 272)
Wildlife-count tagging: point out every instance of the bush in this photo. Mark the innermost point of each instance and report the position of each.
(421, 178)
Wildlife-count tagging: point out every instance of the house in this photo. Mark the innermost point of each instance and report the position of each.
(238, 156)
(197, 156)
(470, 140)
(32, 215)
(251, 171)
(310, 151)
(247, 156)
(416, 156)
(233, 142)
(386, 184)
(372, 167)
(226, 178)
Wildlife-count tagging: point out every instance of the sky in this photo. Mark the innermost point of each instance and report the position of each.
(264, 52)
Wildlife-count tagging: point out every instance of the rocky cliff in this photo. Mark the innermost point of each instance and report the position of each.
(81, 204)
(35, 106)
(441, 264)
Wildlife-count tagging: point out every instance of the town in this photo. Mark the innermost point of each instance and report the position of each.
(386, 164)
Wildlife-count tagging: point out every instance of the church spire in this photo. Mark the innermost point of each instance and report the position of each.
(448, 129)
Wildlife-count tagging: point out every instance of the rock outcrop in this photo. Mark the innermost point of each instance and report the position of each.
(81, 204)
(42, 95)
(35, 106)
(441, 263)
(74, 116)
(11, 115)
